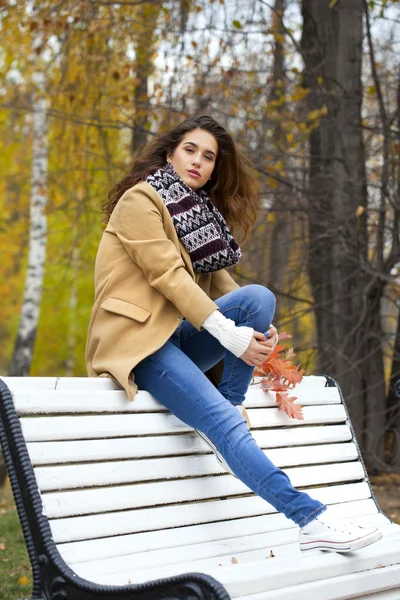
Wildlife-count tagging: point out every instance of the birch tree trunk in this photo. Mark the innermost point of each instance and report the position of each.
(73, 305)
(26, 335)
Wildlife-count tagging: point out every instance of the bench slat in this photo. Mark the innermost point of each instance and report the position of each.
(93, 427)
(246, 548)
(74, 401)
(129, 471)
(365, 585)
(157, 518)
(62, 504)
(105, 383)
(89, 550)
(269, 574)
(289, 436)
(42, 453)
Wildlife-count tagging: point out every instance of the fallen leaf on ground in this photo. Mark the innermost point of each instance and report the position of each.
(23, 580)
(234, 561)
(271, 554)
(2, 546)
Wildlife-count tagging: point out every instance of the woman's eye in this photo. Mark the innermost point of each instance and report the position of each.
(191, 150)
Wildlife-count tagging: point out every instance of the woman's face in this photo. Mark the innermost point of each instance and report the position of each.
(197, 151)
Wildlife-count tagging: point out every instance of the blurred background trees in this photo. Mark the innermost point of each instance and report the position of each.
(309, 90)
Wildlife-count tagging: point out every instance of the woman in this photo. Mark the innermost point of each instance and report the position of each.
(166, 311)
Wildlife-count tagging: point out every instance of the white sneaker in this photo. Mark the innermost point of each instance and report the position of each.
(335, 535)
(222, 462)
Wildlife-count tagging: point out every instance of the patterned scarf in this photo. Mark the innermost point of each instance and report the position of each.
(199, 224)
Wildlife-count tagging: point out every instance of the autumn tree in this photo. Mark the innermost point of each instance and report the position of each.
(348, 265)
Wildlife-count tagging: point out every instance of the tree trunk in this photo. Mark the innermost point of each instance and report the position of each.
(144, 48)
(280, 235)
(73, 305)
(394, 400)
(347, 299)
(26, 335)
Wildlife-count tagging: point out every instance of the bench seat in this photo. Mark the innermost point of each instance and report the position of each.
(130, 494)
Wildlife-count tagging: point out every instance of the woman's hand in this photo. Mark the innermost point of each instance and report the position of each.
(260, 347)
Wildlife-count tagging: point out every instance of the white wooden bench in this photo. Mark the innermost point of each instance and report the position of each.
(132, 495)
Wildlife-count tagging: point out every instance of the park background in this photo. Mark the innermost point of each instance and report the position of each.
(310, 92)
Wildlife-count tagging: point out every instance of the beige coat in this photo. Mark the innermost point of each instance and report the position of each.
(144, 287)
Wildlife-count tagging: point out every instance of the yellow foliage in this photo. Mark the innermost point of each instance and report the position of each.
(279, 37)
(90, 97)
(299, 93)
(360, 210)
(314, 114)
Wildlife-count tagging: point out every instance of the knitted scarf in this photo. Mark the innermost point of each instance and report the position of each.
(199, 224)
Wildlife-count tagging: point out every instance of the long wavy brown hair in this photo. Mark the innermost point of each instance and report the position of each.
(234, 187)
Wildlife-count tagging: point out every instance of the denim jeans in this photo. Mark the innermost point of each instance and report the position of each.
(174, 375)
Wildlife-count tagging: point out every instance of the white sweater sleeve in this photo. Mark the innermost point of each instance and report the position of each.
(233, 338)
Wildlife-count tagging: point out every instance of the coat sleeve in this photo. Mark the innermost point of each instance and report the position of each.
(139, 226)
(222, 283)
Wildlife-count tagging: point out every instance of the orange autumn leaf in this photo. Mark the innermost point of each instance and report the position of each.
(284, 336)
(281, 376)
(290, 353)
(280, 369)
(286, 404)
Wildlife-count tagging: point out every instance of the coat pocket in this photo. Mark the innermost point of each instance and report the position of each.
(126, 309)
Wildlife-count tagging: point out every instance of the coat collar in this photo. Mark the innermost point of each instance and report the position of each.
(164, 211)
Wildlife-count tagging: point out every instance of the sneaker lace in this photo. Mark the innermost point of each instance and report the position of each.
(341, 525)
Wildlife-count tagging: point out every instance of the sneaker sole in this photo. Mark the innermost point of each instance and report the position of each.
(349, 546)
(217, 455)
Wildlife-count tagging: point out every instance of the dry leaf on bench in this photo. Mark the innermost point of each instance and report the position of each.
(286, 404)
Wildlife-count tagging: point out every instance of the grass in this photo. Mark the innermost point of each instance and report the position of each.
(15, 568)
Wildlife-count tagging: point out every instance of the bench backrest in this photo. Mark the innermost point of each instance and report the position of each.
(106, 466)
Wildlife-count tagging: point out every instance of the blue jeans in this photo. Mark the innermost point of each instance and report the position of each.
(174, 375)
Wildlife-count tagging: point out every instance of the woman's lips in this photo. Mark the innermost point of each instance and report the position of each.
(195, 175)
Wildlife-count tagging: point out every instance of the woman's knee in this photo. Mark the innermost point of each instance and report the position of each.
(261, 296)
